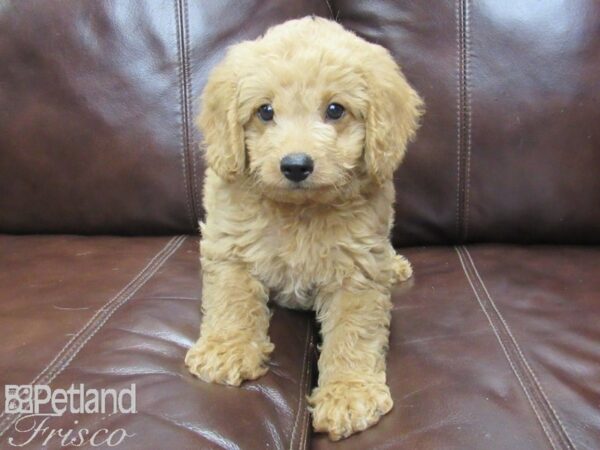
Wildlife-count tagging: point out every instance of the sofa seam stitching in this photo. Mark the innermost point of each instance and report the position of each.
(467, 118)
(459, 61)
(520, 352)
(190, 97)
(305, 423)
(183, 103)
(302, 388)
(530, 399)
(308, 382)
(330, 8)
(68, 354)
(463, 120)
(183, 157)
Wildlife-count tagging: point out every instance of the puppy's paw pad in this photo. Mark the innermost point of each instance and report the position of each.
(402, 268)
(342, 409)
(225, 361)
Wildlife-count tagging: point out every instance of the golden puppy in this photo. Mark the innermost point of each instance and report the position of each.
(304, 128)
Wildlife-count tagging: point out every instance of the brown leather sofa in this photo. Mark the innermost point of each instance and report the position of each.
(495, 344)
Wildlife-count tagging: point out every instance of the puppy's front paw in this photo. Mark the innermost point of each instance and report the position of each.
(228, 361)
(342, 409)
(402, 268)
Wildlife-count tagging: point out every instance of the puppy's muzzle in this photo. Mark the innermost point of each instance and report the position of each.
(297, 166)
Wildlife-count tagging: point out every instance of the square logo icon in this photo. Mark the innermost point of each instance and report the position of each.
(18, 399)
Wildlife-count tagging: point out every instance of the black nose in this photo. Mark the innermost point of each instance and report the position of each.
(296, 166)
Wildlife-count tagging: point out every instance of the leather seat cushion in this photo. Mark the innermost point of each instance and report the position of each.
(111, 311)
(492, 346)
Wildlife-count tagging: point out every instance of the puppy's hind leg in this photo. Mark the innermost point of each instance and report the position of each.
(233, 344)
(401, 267)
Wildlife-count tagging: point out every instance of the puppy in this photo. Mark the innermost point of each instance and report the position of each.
(303, 130)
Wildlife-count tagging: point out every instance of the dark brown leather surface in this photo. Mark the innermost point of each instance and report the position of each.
(139, 336)
(526, 377)
(97, 102)
(492, 347)
(510, 144)
(549, 300)
(51, 285)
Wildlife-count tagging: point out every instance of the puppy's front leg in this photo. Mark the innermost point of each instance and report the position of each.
(352, 394)
(233, 344)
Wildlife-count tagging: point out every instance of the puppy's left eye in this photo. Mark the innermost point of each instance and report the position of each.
(334, 111)
(266, 112)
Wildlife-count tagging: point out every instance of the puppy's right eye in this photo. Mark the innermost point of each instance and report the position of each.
(265, 112)
(334, 111)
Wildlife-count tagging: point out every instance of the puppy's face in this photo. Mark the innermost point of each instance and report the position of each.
(307, 113)
(306, 129)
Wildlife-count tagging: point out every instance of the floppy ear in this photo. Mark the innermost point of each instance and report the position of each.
(392, 118)
(220, 123)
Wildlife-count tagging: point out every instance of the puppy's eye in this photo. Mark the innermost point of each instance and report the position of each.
(334, 111)
(265, 112)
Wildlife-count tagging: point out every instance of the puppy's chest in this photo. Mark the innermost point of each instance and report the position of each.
(294, 258)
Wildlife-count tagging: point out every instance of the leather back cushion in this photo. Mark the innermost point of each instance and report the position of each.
(97, 100)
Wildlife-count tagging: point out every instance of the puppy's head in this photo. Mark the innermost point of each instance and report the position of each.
(307, 112)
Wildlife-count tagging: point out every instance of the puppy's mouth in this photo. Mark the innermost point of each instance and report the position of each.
(299, 192)
(299, 186)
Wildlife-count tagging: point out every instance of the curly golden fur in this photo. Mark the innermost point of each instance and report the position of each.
(320, 244)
